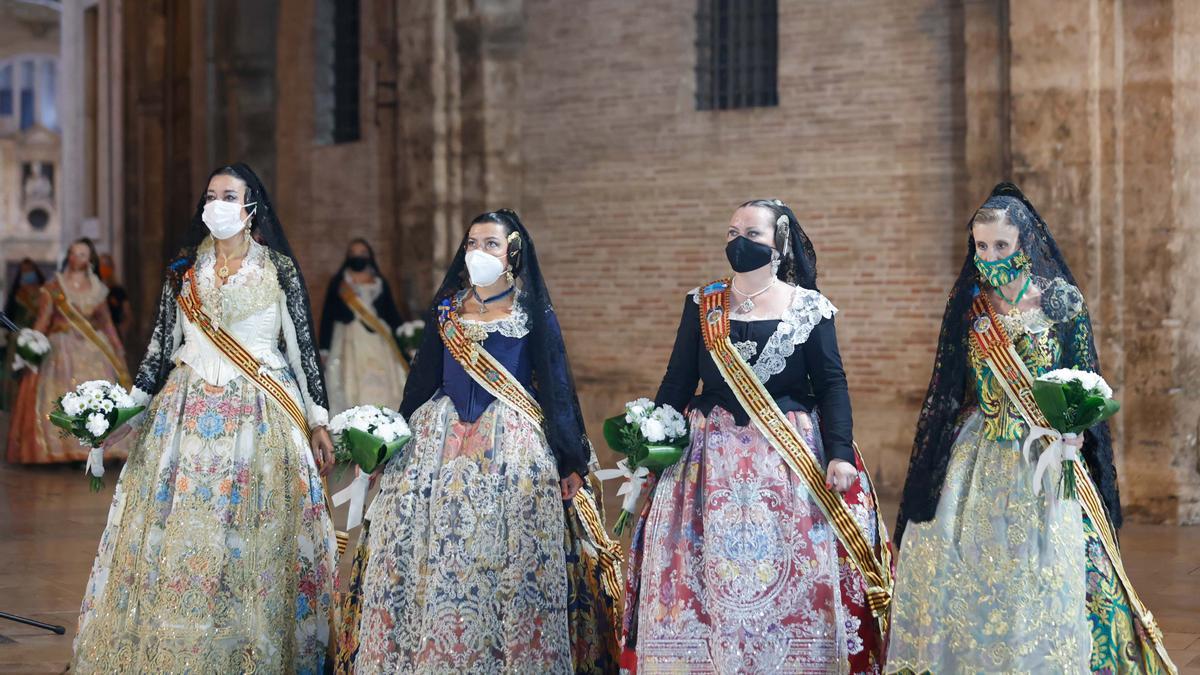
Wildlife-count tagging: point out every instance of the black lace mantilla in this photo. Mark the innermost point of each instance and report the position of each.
(949, 396)
(157, 365)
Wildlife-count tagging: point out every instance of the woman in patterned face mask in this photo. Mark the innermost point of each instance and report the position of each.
(363, 361)
(761, 550)
(991, 577)
(218, 556)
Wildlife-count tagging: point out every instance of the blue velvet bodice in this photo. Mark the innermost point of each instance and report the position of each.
(470, 399)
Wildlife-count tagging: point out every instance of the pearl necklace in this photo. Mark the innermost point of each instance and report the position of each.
(747, 305)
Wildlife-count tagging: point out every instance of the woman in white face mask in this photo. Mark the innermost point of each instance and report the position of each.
(363, 361)
(219, 553)
(462, 558)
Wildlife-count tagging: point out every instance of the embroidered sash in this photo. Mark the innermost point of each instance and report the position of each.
(369, 317)
(238, 355)
(490, 374)
(1017, 382)
(84, 327)
(873, 561)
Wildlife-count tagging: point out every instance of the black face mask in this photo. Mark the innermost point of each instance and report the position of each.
(357, 263)
(745, 255)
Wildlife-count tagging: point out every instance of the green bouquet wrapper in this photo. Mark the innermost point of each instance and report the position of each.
(1071, 409)
(369, 451)
(626, 438)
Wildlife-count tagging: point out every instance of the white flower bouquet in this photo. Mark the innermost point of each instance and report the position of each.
(90, 413)
(409, 334)
(366, 437)
(1072, 401)
(32, 348)
(652, 438)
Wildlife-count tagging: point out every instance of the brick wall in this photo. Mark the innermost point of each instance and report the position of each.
(628, 188)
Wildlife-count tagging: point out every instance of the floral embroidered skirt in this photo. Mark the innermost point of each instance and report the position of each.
(218, 556)
(998, 582)
(465, 570)
(735, 569)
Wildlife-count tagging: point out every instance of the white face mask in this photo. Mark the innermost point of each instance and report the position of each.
(224, 219)
(484, 269)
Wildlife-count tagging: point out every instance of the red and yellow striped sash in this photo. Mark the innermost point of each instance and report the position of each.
(490, 374)
(368, 317)
(238, 355)
(84, 327)
(1017, 382)
(872, 560)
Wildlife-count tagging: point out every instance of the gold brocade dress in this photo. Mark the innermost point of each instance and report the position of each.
(999, 581)
(219, 553)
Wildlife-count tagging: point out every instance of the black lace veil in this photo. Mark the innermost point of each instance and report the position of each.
(266, 230)
(564, 426)
(336, 310)
(951, 389)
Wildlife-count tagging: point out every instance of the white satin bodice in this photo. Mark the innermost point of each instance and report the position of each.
(259, 333)
(252, 307)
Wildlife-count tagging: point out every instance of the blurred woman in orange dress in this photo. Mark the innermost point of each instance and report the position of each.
(73, 314)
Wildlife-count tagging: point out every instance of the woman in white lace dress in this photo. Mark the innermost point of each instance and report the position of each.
(733, 567)
(218, 556)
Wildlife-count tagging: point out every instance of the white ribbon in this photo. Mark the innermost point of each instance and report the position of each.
(1052, 457)
(19, 363)
(356, 494)
(635, 480)
(95, 462)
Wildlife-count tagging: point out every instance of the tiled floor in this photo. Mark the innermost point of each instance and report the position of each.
(50, 525)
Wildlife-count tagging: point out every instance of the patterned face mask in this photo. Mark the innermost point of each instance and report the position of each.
(1003, 271)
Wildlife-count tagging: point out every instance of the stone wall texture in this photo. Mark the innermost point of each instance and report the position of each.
(895, 118)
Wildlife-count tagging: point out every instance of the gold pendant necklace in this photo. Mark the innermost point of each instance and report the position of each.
(223, 270)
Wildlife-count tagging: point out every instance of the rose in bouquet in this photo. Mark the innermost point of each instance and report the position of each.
(409, 334)
(652, 438)
(365, 437)
(1072, 401)
(90, 413)
(32, 348)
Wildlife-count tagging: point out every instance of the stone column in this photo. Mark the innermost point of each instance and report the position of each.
(71, 92)
(1091, 107)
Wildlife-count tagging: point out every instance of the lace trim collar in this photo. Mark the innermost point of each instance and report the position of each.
(1031, 321)
(515, 325)
(88, 300)
(368, 292)
(254, 287)
(808, 308)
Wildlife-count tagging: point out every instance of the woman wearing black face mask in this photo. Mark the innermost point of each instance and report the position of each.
(761, 549)
(363, 362)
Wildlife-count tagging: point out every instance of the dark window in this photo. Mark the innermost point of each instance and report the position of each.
(345, 71)
(27, 83)
(39, 218)
(737, 54)
(6, 90)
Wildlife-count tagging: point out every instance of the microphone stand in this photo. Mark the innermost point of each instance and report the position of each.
(57, 630)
